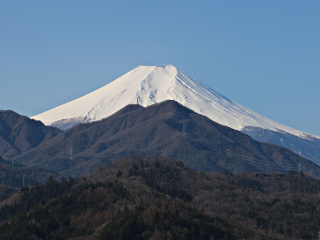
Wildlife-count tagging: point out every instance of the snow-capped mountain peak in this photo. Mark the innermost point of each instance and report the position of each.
(147, 85)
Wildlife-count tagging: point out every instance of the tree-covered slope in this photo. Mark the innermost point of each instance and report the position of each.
(13, 177)
(19, 134)
(169, 129)
(159, 198)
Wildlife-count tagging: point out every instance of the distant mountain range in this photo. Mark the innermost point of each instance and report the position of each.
(147, 85)
(168, 129)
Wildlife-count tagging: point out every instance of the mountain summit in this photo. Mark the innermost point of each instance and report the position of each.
(147, 85)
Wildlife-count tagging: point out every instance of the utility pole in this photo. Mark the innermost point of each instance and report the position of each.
(23, 180)
(71, 153)
(72, 163)
(71, 156)
(184, 127)
(299, 166)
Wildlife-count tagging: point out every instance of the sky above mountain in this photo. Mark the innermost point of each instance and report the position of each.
(264, 55)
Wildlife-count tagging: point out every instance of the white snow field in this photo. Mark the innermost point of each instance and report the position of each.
(147, 85)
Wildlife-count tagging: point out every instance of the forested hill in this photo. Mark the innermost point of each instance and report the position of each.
(17, 175)
(159, 198)
(19, 134)
(168, 129)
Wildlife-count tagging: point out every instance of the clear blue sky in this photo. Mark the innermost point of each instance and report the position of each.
(264, 55)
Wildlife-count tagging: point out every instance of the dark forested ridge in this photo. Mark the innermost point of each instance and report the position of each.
(168, 129)
(19, 134)
(158, 198)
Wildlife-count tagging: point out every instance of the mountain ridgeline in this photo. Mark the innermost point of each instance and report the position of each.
(167, 129)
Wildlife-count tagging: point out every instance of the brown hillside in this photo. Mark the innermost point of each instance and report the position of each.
(168, 129)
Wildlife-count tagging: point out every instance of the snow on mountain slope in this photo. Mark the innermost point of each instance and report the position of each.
(147, 85)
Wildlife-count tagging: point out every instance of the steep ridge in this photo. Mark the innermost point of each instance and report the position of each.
(168, 129)
(19, 134)
(147, 85)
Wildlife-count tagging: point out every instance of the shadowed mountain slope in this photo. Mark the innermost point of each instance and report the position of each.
(287, 140)
(19, 134)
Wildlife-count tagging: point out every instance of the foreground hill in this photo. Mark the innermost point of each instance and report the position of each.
(159, 198)
(19, 134)
(169, 129)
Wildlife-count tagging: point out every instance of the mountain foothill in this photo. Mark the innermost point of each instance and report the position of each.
(167, 129)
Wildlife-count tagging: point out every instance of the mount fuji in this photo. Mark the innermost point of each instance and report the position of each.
(147, 85)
